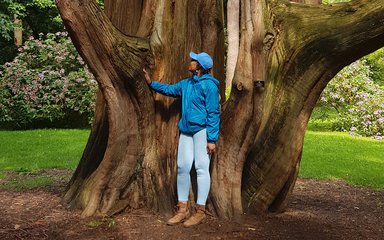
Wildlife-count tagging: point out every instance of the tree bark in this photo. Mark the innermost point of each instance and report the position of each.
(296, 49)
(130, 156)
(288, 53)
(316, 2)
(18, 32)
(312, 43)
(233, 16)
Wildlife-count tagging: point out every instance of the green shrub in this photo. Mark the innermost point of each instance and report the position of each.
(376, 63)
(359, 102)
(46, 83)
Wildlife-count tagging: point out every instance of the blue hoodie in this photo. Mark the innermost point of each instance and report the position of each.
(200, 104)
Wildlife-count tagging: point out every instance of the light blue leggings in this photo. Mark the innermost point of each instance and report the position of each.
(193, 148)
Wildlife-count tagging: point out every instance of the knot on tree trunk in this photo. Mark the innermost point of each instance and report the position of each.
(268, 41)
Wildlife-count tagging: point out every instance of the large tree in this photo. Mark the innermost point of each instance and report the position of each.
(288, 52)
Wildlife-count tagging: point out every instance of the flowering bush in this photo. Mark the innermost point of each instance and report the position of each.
(46, 82)
(359, 102)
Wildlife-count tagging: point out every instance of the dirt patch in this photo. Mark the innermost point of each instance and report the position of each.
(316, 210)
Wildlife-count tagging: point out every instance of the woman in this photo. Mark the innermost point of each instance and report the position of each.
(199, 131)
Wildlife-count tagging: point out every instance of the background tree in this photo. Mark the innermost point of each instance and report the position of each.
(25, 18)
(293, 49)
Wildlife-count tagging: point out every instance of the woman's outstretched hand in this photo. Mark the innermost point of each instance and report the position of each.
(147, 76)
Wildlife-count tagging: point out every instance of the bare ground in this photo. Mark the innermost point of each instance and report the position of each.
(316, 210)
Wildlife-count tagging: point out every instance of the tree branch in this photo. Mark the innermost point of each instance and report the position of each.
(99, 42)
(347, 31)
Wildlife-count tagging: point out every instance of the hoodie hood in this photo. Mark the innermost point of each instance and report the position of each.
(206, 77)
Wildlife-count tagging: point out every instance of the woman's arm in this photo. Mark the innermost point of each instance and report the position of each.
(212, 105)
(171, 90)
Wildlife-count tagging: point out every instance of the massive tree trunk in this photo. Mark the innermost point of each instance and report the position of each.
(288, 53)
(130, 156)
(295, 49)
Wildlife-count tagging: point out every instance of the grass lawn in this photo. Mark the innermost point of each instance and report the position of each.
(28, 151)
(334, 155)
(326, 155)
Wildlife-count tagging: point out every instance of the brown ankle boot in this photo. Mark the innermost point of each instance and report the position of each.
(196, 218)
(181, 214)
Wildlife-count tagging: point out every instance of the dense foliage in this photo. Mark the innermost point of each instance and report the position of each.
(357, 99)
(38, 16)
(46, 83)
(375, 61)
